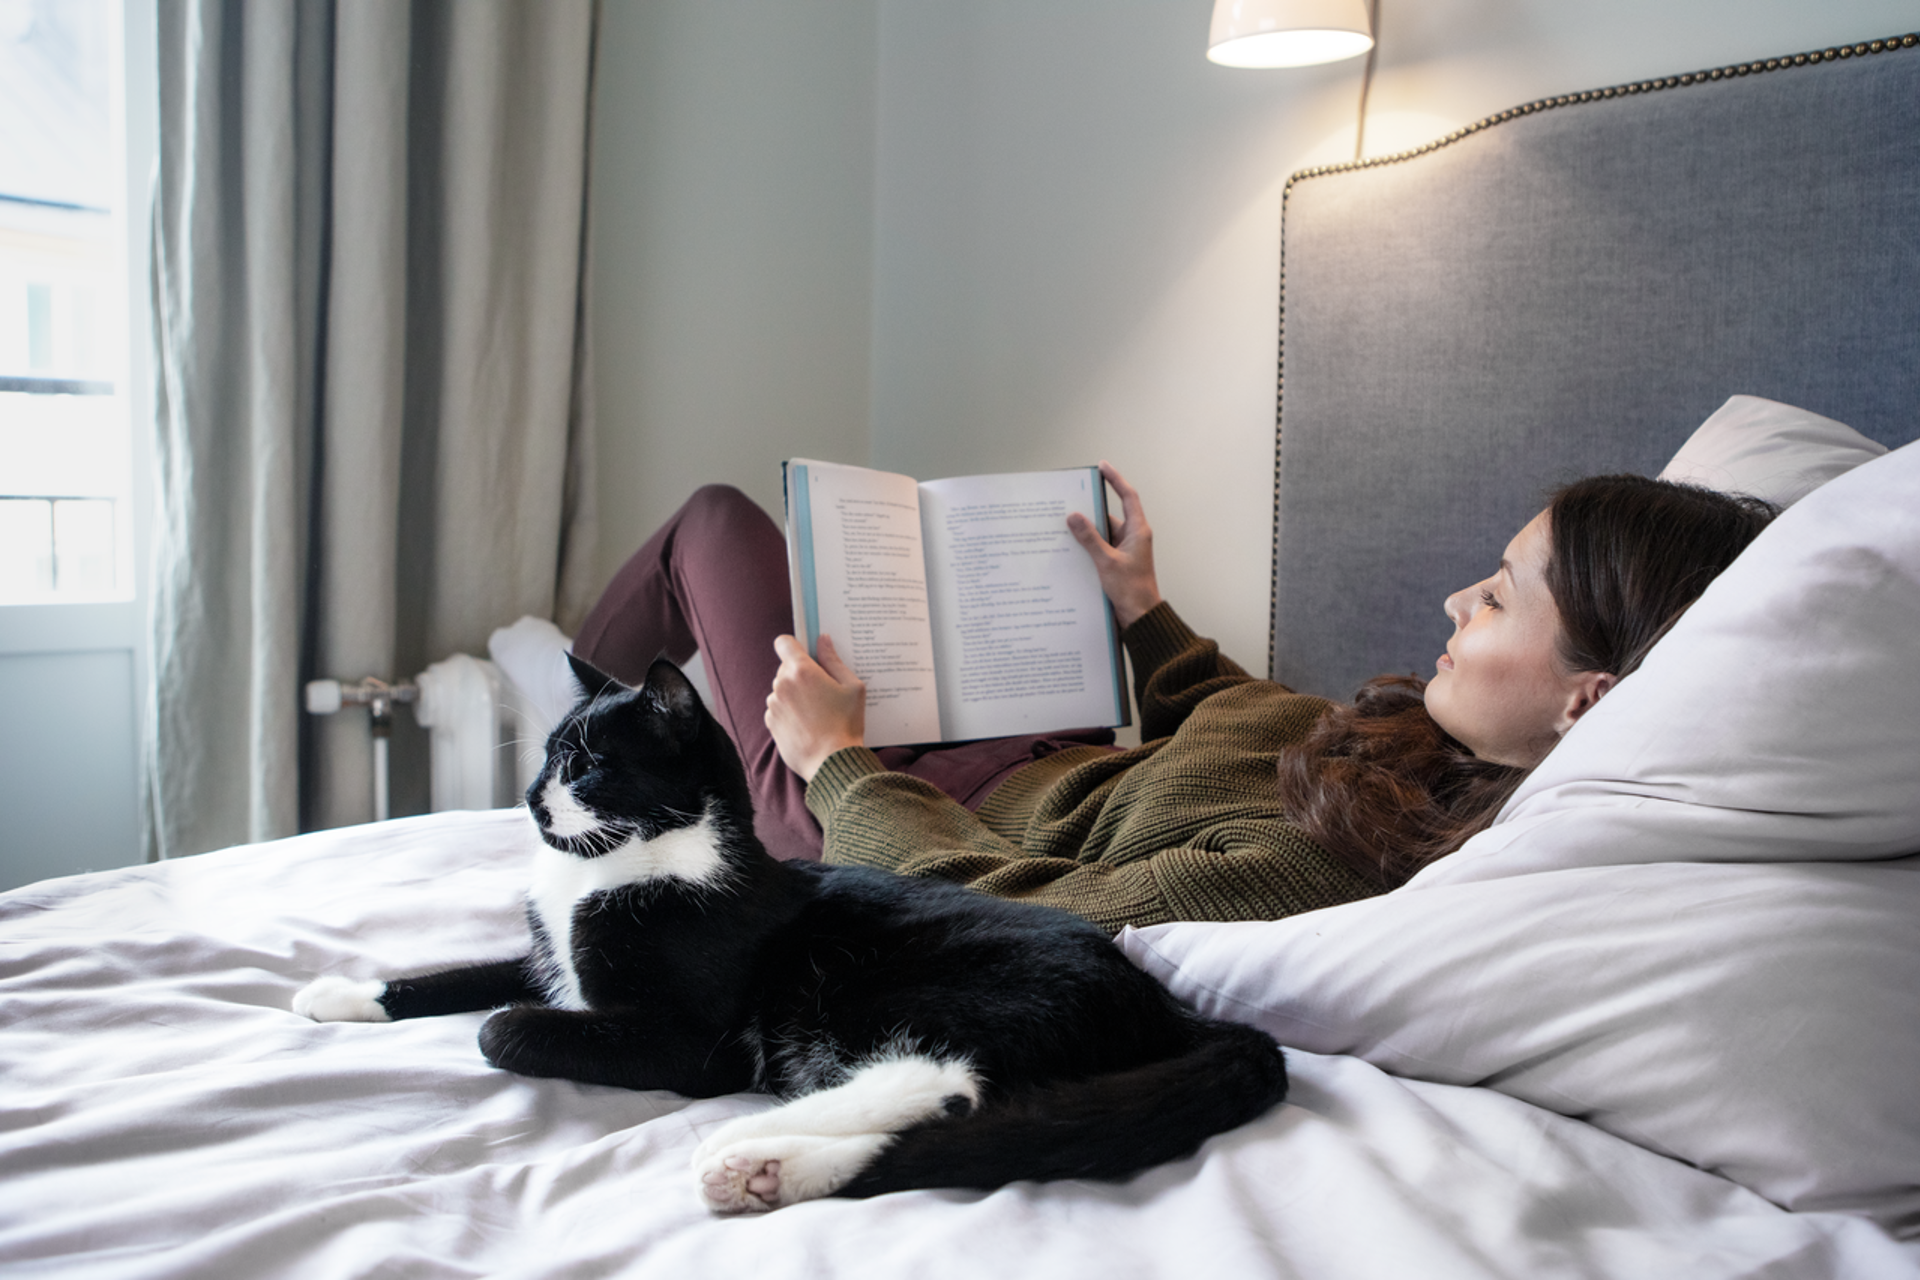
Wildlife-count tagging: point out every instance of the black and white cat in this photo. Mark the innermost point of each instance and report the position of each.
(922, 1034)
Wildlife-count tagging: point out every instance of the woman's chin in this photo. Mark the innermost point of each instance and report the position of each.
(1440, 708)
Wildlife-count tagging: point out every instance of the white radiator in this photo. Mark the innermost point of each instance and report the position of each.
(487, 721)
(484, 756)
(487, 738)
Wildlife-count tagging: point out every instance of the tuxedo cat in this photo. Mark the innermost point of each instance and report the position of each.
(921, 1034)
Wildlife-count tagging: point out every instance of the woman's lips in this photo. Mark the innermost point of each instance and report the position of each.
(1445, 662)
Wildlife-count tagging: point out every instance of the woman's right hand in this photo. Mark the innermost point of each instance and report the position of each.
(1124, 558)
(815, 708)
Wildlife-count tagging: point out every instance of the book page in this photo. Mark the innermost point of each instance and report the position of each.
(1023, 637)
(853, 539)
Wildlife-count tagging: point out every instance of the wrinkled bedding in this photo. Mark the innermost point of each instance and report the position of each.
(163, 1114)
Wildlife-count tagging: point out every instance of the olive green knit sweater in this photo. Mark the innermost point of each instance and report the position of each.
(1186, 826)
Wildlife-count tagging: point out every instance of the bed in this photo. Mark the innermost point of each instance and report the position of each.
(1659, 1020)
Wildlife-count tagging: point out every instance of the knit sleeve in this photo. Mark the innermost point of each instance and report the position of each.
(898, 823)
(874, 817)
(1174, 670)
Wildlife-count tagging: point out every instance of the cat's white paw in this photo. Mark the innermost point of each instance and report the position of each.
(337, 999)
(768, 1172)
(819, 1142)
(740, 1184)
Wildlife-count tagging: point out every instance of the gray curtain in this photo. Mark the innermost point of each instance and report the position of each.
(373, 425)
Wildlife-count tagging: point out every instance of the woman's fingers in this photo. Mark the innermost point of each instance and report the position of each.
(1129, 523)
(790, 651)
(1123, 559)
(1129, 496)
(814, 708)
(1133, 513)
(1087, 536)
(831, 663)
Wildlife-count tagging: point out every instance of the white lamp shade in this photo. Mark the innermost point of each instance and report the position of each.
(1287, 33)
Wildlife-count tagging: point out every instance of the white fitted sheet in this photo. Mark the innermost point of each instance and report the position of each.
(163, 1114)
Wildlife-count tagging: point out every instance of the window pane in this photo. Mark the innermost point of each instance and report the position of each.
(39, 327)
(83, 546)
(26, 549)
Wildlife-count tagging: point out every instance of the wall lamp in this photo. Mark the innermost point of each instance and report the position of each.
(1288, 33)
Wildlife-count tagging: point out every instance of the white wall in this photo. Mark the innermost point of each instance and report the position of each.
(1070, 233)
(732, 207)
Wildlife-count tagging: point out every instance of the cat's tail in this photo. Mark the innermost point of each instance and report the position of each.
(1106, 1128)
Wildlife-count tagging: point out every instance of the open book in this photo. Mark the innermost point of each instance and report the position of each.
(964, 604)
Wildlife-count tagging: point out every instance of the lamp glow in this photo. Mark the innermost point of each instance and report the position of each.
(1287, 33)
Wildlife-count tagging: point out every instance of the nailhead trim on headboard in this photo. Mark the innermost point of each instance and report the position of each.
(1737, 70)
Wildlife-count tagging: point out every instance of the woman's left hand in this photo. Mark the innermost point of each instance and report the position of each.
(1123, 553)
(816, 708)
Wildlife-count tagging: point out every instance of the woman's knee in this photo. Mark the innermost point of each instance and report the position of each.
(720, 498)
(721, 507)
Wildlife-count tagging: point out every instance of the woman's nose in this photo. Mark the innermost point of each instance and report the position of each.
(1457, 607)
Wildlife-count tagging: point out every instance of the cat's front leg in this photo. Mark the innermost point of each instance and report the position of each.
(483, 986)
(624, 1048)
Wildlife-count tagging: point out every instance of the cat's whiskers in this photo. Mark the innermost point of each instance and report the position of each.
(527, 747)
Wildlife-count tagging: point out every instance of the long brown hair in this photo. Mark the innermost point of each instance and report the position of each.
(1387, 790)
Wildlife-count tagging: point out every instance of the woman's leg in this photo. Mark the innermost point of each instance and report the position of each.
(713, 578)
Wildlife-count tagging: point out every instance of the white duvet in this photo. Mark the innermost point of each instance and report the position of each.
(163, 1114)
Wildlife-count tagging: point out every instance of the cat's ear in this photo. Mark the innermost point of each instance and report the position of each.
(672, 691)
(593, 681)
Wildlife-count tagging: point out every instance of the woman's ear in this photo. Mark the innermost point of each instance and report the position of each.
(1587, 689)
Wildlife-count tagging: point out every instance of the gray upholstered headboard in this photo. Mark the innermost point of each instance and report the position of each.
(1566, 289)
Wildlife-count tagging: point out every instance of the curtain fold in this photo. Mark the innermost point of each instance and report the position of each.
(372, 426)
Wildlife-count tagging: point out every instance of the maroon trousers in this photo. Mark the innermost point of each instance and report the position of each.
(714, 579)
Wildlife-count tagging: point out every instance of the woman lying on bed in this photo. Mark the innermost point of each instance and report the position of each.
(1245, 800)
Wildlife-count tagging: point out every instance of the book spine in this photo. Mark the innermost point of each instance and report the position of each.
(1122, 705)
(806, 593)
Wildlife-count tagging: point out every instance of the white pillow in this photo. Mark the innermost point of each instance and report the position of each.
(1678, 930)
(1755, 1021)
(1770, 450)
(533, 653)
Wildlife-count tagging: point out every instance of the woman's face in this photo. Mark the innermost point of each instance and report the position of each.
(1499, 688)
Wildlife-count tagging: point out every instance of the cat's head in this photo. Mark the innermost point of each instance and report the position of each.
(635, 763)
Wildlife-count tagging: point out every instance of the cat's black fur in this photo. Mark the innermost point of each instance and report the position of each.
(711, 968)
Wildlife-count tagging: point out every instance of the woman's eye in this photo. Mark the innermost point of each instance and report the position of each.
(1487, 599)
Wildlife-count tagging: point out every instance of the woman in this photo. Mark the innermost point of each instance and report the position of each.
(1245, 800)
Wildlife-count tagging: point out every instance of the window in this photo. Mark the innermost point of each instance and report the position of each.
(65, 440)
(77, 116)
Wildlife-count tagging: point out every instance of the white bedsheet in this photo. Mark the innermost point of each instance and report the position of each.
(163, 1114)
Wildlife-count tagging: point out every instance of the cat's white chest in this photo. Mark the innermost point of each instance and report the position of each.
(563, 883)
